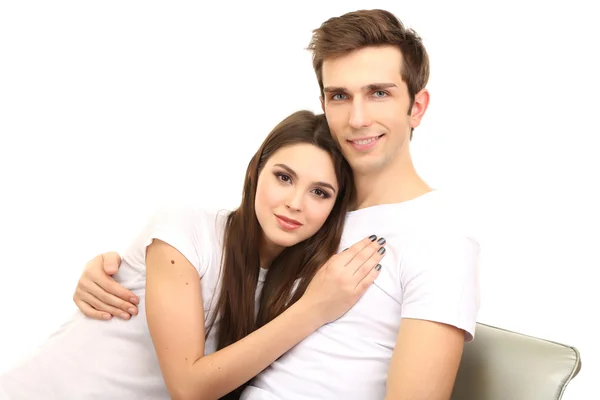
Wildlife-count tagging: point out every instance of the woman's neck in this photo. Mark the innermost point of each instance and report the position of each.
(267, 252)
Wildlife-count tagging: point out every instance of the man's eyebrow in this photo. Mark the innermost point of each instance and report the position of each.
(369, 87)
(379, 86)
(336, 89)
(294, 175)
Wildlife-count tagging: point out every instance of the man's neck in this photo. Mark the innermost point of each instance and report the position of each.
(396, 184)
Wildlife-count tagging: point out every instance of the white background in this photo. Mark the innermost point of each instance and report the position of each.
(109, 108)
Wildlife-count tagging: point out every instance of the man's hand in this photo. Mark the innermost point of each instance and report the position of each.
(98, 295)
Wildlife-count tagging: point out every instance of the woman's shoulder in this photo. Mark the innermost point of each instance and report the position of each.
(193, 229)
(192, 214)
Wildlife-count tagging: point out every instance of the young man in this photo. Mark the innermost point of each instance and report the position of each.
(404, 338)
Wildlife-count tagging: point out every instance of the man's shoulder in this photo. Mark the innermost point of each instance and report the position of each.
(439, 212)
(449, 218)
(444, 235)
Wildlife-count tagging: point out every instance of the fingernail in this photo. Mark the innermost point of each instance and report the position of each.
(372, 238)
(344, 249)
(381, 241)
(124, 316)
(106, 316)
(133, 300)
(381, 250)
(131, 311)
(378, 267)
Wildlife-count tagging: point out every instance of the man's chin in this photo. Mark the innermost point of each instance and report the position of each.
(365, 164)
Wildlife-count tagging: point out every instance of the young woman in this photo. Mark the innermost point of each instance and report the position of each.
(222, 295)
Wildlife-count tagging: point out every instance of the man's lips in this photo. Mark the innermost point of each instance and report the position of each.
(365, 140)
(365, 143)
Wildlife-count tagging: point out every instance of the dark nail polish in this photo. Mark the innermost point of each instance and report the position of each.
(372, 238)
(381, 241)
(381, 250)
(378, 267)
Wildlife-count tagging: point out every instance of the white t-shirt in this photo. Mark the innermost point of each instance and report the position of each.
(90, 359)
(430, 272)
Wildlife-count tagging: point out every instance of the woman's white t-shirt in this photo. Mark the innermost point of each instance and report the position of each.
(90, 359)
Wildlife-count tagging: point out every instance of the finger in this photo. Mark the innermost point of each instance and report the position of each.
(365, 268)
(110, 262)
(106, 296)
(367, 258)
(90, 311)
(346, 256)
(367, 281)
(101, 306)
(99, 269)
(114, 289)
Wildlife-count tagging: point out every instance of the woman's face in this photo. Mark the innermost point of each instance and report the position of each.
(295, 194)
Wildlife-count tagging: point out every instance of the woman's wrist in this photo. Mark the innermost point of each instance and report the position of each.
(309, 313)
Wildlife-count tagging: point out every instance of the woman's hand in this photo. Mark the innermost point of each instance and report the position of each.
(344, 278)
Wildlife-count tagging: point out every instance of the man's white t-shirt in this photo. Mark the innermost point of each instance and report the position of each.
(430, 272)
(90, 359)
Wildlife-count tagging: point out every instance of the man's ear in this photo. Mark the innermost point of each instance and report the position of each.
(419, 107)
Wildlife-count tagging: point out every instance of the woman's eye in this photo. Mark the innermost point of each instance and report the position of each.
(321, 193)
(283, 177)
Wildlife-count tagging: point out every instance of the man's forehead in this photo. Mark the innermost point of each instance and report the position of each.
(363, 67)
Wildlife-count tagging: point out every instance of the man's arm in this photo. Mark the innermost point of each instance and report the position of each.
(425, 361)
(440, 303)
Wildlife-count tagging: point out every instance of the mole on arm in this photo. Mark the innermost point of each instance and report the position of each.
(172, 261)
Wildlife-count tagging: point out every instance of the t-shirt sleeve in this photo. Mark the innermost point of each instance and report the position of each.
(184, 228)
(440, 281)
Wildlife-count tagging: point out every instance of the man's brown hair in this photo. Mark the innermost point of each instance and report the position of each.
(339, 36)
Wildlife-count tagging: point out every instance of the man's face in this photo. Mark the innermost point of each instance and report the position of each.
(367, 107)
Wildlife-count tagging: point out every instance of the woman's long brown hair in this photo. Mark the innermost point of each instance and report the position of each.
(235, 311)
